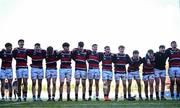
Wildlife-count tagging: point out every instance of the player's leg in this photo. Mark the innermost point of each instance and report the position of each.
(10, 89)
(116, 90)
(109, 84)
(62, 77)
(157, 87)
(54, 88)
(34, 89)
(178, 83)
(68, 83)
(25, 84)
(145, 79)
(48, 88)
(84, 76)
(48, 78)
(157, 78)
(90, 88)
(19, 82)
(2, 89)
(97, 89)
(90, 78)
(129, 87)
(172, 81)
(151, 82)
(117, 78)
(97, 77)
(105, 85)
(33, 77)
(77, 81)
(10, 78)
(138, 81)
(54, 78)
(163, 79)
(39, 89)
(77, 88)
(124, 88)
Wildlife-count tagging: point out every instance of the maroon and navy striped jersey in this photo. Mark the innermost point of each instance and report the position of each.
(20, 55)
(37, 57)
(134, 65)
(6, 59)
(51, 60)
(80, 57)
(120, 61)
(107, 60)
(65, 57)
(148, 68)
(174, 57)
(93, 59)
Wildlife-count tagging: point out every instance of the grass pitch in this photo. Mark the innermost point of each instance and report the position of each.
(92, 104)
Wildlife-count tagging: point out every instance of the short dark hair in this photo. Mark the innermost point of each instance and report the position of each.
(135, 52)
(81, 44)
(49, 48)
(65, 44)
(94, 45)
(37, 44)
(150, 51)
(8, 45)
(121, 46)
(161, 46)
(106, 47)
(20, 40)
(173, 42)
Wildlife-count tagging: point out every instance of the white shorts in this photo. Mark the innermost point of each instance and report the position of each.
(65, 73)
(134, 74)
(107, 75)
(6, 74)
(148, 77)
(159, 73)
(93, 74)
(122, 76)
(22, 73)
(80, 74)
(37, 73)
(174, 72)
(51, 73)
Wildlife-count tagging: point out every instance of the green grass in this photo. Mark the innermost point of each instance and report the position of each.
(93, 104)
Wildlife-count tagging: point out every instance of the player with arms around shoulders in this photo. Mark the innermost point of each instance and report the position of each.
(6, 56)
(93, 71)
(160, 71)
(80, 56)
(37, 73)
(148, 73)
(107, 74)
(65, 71)
(133, 72)
(173, 54)
(20, 55)
(51, 71)
(120, 61)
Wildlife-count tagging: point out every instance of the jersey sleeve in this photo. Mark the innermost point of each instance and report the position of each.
(29, 52)
(128, 59)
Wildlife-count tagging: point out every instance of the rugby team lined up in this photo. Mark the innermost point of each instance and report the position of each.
(88, 64)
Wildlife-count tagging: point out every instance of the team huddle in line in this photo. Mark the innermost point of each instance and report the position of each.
(153, 70)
